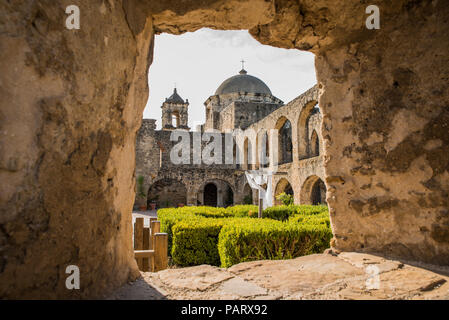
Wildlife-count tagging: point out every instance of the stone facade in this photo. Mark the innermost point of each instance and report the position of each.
(171, 185)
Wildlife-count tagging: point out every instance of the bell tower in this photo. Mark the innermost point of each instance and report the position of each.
(175, 112)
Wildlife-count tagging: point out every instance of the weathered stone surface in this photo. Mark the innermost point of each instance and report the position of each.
(310, 277)
(72, 103)
(300, 275)
(361, 260)
(241, 288)
(194, 278)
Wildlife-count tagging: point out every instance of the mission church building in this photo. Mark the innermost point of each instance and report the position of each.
(241, 102)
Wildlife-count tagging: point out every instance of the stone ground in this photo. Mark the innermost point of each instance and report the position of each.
(318, 276)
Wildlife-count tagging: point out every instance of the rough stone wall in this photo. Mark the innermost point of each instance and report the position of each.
(72, 103)
(153, 162)
(228, 109)
(70, 109)
(178, 109)
(386, 116)
(247, 113)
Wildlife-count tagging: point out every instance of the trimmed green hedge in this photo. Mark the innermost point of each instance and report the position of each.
(195, 242)
(274, 241)
(280, 213)
(283, 212)
(170, 217)
(244, 210)
(320, 218)
(218, 236)
(309, 209)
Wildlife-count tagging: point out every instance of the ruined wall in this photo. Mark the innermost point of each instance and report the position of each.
(386, 117)
(154, 163)
(72, 103)
(248, 113)
(70, 108)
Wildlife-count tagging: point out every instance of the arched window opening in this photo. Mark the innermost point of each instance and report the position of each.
(315, 144)
(285, 142)
(175, 119)
(318, 195)
(265, 151)
(283, 186)
(210, 195)
(247, 195)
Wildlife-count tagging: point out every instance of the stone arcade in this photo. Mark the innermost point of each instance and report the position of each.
(72, 103)
(241, 102)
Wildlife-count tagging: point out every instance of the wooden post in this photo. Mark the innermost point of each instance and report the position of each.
(160, 251)
(260, 207)
(152, 219)
(138, 239)
(146, 246)
(155, 227)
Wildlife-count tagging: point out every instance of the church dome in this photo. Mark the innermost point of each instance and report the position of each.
(243, 82)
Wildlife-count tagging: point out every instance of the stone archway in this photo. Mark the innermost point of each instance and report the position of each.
(304, 144)
(216, 193)
(247, 194)
(71, 119)
(282, 186)
(313, 191)
(285, 146)
(318, 194)
(314, 144)
(210, 195)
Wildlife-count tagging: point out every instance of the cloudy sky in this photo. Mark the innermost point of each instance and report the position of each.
(198, 62)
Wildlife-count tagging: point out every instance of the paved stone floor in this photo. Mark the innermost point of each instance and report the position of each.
(348, 275)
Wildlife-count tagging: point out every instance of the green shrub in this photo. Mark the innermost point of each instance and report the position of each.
(281, 213)
(274, 240)
(170, 217)
(319, 218)
(195, 242)
(244, 210)
(311, 209)
(286, 199)
(215, 236)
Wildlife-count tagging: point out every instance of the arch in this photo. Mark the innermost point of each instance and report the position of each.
(235, 155)
(210, 195)
(247, 194)
(167, 193)
(285, 146)
(314, 144)
(175, 119)
(313, 191)
(246, 154)
(249, 162)
(303, 129)
(263, 151)
(220, 196)
(282, 186)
